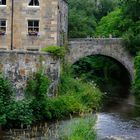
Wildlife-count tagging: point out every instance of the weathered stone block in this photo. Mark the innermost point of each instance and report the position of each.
(19, 65)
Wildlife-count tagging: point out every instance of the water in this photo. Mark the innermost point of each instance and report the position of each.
(117, 121)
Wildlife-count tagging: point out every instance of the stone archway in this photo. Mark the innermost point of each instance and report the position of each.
(111, 47)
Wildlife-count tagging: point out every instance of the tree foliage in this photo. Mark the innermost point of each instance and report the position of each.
(132, 9)
(85, 14)
(136, 84)
(113, 24)
(132, 36)
(123, 22)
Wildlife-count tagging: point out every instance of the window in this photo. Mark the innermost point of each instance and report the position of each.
(2, 2)
(33, 27)
(34, 3)
(2, 27)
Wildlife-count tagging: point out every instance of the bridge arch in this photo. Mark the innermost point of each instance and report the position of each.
(111, 47)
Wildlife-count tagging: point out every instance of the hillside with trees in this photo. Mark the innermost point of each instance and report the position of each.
(104, 18)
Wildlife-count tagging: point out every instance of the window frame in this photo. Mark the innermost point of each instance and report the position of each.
(33, 27)
(3, 26)
(3, 5)
(33, 6)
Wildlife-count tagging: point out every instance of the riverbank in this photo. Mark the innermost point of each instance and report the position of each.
(75, 97)
(70, 129)
(118, 121)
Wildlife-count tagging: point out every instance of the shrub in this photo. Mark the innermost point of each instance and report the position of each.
(65, 105)
(20, 113)
(37, 85)
(37, 89)
(56, 51)
(6, 90)
(76, 97)
(6, 98)
(91, 96)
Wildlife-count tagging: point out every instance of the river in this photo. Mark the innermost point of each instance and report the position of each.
(119, 120)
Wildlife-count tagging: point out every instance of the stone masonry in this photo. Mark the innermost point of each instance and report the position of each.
(111, 47)
(19, 65)
(52, 17)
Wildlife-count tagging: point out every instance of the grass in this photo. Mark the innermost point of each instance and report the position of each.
(79, 129)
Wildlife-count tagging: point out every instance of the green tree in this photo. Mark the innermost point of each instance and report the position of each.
(114, 24)
(85, 14)
(132, 9)
(132, 36)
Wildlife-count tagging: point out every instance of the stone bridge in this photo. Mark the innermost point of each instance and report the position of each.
(19, 65)
(111, 47)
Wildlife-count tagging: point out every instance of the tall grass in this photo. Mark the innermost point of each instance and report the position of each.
(79, 129)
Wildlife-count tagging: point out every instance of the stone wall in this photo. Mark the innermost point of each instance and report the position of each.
(62, 21)
(19, 65)
(111, 47)
(48, 14)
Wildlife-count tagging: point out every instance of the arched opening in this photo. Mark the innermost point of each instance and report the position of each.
(109, 75)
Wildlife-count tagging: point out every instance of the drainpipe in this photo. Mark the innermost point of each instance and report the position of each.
(12, 21)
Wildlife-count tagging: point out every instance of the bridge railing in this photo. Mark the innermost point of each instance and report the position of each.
(93, 39)
(96, 41)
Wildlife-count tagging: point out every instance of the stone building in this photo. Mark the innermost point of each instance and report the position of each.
(32, 24)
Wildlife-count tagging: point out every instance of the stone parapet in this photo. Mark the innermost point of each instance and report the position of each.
(110, 47)
(19, 65)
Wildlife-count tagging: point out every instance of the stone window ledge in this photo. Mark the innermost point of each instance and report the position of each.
(33, 35)
(4, 48)
(33, 7)
(3, 6)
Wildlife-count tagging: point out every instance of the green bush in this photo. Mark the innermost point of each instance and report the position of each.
(56, 51)
(6, 90)
(37, 89)
(37, 85)
(76, 97)
(20, 114)
(91, 96)
(64, 106)
(6, 98)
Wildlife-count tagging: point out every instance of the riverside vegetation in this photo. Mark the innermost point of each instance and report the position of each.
(119, 18)
(116, 18)
(75, 97)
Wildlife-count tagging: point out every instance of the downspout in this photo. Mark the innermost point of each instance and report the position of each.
(12, 22)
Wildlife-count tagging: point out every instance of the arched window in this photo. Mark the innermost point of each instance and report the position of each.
(2, 2)
(34, 3)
